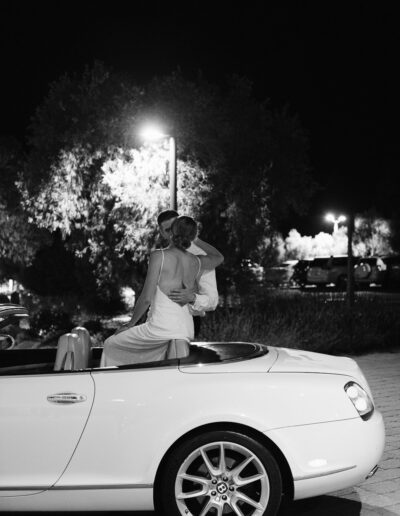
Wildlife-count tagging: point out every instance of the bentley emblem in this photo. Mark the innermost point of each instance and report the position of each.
(221, 488)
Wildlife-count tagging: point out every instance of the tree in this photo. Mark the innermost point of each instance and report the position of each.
(19, 238)
(88, 178)
(259, 171)
(92, 111)
(372, 234)
(102, 198)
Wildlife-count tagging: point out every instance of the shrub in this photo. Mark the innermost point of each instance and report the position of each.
(313, 323)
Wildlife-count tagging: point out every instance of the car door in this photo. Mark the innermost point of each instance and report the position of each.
(42, 419)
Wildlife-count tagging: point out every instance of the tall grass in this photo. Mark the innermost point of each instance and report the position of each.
(311, 323)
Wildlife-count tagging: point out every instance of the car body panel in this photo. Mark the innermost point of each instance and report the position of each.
(82, 499)
(392, 277)
(300, 270)
(160, 397)
(39, 437)
(298, 361)
(327, 270)
(10, 311)
(280, 275)
(370, 271)
(331, 456)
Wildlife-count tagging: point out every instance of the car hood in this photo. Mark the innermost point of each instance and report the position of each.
(298, 361)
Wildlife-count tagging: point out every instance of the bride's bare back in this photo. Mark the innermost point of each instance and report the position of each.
(180, 270)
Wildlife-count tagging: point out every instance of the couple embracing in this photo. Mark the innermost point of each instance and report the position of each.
(174, 276)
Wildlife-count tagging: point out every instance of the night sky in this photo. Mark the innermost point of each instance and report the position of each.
(335, 64)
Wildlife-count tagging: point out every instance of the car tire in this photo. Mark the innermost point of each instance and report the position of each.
(225, 469)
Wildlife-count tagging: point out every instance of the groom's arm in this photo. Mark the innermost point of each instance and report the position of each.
(206, 298)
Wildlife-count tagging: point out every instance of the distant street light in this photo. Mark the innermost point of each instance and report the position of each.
(153, 133)
(335, 221)
(350, 267)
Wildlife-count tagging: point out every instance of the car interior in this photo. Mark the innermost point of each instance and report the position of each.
(72, 357)
(74, 352)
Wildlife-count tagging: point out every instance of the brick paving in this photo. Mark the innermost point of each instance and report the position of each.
(381, 493)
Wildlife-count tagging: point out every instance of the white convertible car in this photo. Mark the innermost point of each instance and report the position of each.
(231, 429)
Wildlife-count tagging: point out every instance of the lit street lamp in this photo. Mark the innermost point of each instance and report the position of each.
(335, 221)
(153, 133)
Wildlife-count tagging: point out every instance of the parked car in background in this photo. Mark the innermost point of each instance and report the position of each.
(300, 269)
(392, 276)
(329, 270)
(75, 436)
(280, 275)
(370, 271)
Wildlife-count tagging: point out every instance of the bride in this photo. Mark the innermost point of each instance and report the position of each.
(170, 268)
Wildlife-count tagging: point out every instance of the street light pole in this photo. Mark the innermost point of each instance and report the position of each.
(172, 173)
(350, 268)
(152, 133)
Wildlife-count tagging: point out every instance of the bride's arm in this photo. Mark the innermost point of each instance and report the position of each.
(213, 257)
(148, 291)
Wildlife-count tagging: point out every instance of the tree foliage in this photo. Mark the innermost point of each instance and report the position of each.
(19, 239)
(241, 168)
(372, 234)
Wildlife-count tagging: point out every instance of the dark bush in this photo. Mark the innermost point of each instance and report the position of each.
(313, 323)
(50, 324)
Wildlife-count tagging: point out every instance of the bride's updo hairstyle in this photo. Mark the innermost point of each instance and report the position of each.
(184, 231)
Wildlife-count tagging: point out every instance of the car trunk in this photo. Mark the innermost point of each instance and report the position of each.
(297, 361)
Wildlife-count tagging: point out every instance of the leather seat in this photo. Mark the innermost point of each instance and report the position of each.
(73, 350)
(178, 348)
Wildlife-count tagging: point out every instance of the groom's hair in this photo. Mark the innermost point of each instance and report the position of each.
(166, 215)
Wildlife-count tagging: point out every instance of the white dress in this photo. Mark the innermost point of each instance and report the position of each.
(149, 341)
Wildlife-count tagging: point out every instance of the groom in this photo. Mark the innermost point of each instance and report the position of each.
(206, 299)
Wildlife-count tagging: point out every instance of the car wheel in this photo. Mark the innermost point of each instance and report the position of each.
(218, 473)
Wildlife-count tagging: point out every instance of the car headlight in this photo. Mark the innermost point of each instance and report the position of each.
(360, 400)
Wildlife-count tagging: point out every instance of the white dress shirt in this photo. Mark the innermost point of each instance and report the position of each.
(207, 298)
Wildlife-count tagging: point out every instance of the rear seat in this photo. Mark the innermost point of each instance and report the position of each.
(177, 349)
(73, 350)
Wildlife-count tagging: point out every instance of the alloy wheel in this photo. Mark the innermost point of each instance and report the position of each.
(222, 478)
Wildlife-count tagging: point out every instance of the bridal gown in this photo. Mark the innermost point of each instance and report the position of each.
(149, 342)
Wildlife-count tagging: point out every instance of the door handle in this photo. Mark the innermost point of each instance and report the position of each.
(66, 398)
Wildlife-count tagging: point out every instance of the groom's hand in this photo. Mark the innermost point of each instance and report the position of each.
(182, 296)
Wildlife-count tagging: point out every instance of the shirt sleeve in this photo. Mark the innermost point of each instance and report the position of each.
(206, 300)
